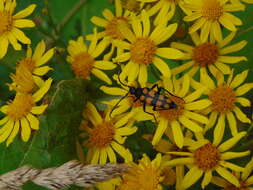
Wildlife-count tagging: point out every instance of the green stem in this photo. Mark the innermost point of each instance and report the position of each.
(69, 15)
(245, 31)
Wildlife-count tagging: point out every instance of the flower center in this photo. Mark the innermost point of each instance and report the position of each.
(102, 135)
(20, 106)
(206, 157)
(112, 28)
(144, 177)
(211, 9)
(28, 63)
(131, 5)
(223, 99)
(142, 51)
(205, 54)
(174, 114)
(243, 186)
(6, 22)
(82, 65)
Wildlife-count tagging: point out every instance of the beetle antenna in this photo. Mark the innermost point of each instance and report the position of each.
(115, 106)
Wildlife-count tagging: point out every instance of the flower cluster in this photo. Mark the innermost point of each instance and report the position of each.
(167, 72)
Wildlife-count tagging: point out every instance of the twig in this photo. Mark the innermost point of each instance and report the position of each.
(72, 172)
(70, 14)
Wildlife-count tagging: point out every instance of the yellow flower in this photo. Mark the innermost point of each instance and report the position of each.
(210, 54)
(108, 185)
(185, 115)
(147, 175)
(83, 59)
(142, 49)
(210, 15)
(10, 24)
(165, 9)
(246, 181)
(105, 136)
(206, 157)
(224, 97)
(34, 62)
(20, 114)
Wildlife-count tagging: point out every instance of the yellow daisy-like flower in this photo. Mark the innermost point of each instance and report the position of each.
(35, 62)
(83, 59)
(210, 15)
(20, 114)
(224, 97)
(210, 54)
(10, 24)
(147, 175)
(244, 177)
(206, 157)
(165, 9)
(185, 115)
(106, 136)
(142, 49)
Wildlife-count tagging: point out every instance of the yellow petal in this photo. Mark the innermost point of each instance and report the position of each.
(103, 156)
(179, 161)
(248, 170)
(45, 58)
(195, 95)
(94, 113)
(137, 27)
(21, 36)
(162, 66)
(113, 91)
(232, 123)
(227, 23)
(25, 130)
(191, 177)
(162, 126)
(101, 75)
(196, 116)
(239, 79)
(39, 50)
(231, 59)
(240, 115)
(40, 71)
(243, 89)
(207, 179)
(243, 101)
(6, 130)
(34, 122)
(169, 53)
(233, 155)
(197, 25)
(25, 12)
(177, 134)
(42, 91)
(231, 166)
(216, 31)
(99, 21)
(190, 124)
(205, 30)
(13, 133)
(219, 130)
(95, 156)
(198, 105)
(4, 47)
(231, 142)
(233, 48)
(143, 75)
(185, 86)
(111, 155)
(227, 175)
(23, 23)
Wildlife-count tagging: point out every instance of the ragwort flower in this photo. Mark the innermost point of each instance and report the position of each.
(185, 115)
(147, 175)
(210, 15)
(105, 136)
(142, 49)
(210, 54)
(206, 157)
(35, 62)
(224, 97)
(83, 59)
(10, 24)
(244, 177)
(20, 114)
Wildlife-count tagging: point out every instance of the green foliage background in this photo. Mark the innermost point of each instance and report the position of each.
(54, 143)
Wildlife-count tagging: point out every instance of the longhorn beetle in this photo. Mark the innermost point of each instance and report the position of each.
(149, 96)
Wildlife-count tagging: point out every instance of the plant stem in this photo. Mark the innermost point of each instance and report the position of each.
(245, 31)
(70, 14)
